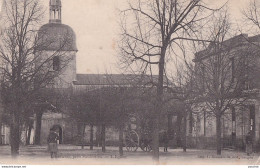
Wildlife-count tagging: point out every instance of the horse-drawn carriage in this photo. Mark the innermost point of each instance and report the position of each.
(138, 134)
(133, 141)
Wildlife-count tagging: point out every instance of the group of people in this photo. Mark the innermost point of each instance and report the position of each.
(54, 137)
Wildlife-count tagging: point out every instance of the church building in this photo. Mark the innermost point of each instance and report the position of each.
(58, 41)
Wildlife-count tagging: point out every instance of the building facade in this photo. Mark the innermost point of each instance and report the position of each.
(240, 55)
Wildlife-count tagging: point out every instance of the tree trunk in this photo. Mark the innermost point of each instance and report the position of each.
(218, 134)
(98, 136)
(15, 136)
(170, 131)
(83, 136)
(178, 130)
(158, 108)
(91, 137)
(38, 128)
(103, 137)
(1, 143)
(155, 141)
(185, 132)
(190, 122)
(79, 129)
(121, 143)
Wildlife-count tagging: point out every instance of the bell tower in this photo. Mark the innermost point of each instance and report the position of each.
(59, 46)
(55, 11)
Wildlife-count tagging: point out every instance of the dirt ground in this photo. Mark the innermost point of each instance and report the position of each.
(74, 155)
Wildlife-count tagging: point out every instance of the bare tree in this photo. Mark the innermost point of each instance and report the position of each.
(252, 19)
(183, 93)
(24, 72)
(220, 71)
(251, 15)
(151, 32)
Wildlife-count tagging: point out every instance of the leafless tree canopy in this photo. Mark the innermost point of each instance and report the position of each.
(251, 15)
(222, 70)
(152, 33)
(24, 69)
(152, 29)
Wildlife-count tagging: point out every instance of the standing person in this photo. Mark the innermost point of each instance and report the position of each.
(52, 143)
(165, 141)
(249, 144)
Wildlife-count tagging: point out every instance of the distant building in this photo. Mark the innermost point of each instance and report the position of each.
(238, 119)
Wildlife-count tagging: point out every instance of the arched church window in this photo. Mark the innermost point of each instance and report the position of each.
(56, 63)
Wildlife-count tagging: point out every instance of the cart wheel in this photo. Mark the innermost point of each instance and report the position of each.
(131, 146)
(146, 147)
(132, 141)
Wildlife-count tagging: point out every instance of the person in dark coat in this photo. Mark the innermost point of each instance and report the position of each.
(52, 143)
(165, 141)
(249, 144)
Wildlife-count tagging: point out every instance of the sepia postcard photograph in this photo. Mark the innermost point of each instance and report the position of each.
(129, 82)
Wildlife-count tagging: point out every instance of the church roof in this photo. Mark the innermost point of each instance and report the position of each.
(115, 79)
(55, 3)
(56, 36)
(232, 43)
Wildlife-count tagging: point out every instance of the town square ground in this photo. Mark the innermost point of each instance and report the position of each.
(74, 155)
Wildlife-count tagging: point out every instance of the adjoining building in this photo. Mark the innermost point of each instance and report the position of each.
(241, 54)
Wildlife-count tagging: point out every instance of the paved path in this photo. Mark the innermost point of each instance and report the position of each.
(75, 155)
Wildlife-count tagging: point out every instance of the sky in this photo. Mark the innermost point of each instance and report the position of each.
(95, 23)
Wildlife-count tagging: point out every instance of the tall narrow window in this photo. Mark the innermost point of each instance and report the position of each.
(232, 61)
(246, 79)
(233, 119)
(205, 122)
(233, 134)
(2, 129)
(56, 63)
(191, 123)
(198, 124)
(59, 14)
(252, 118)
(203, 76)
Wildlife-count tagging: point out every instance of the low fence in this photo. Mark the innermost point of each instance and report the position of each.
(202, 142)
